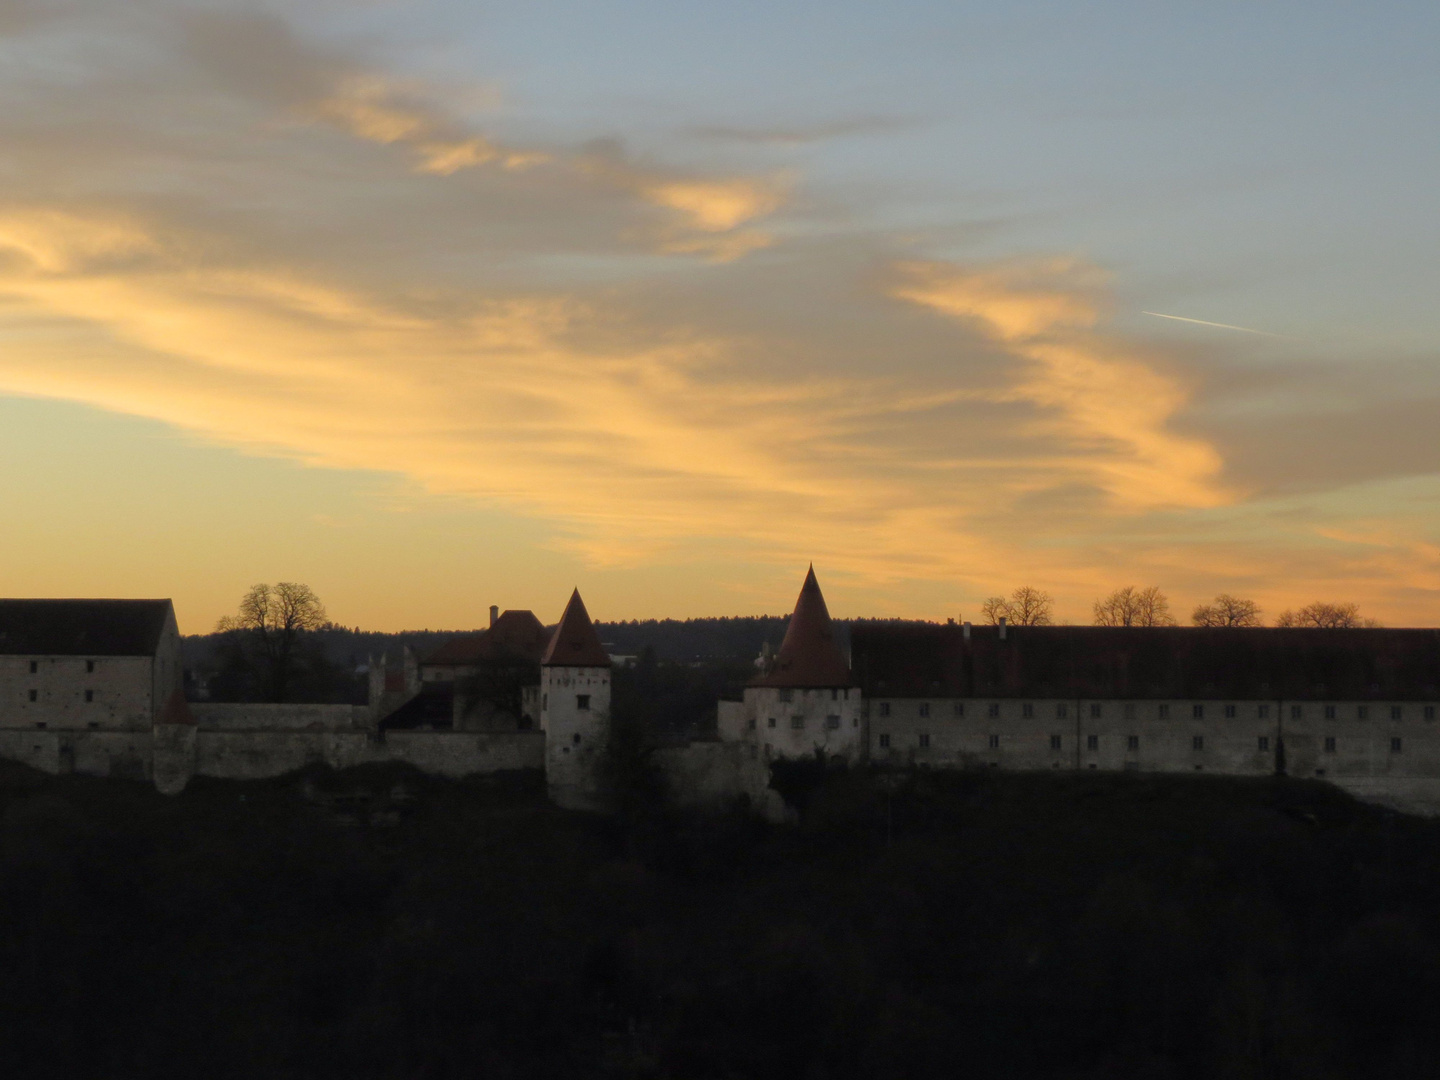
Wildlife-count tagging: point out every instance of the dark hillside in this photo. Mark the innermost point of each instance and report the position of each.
(380, 923)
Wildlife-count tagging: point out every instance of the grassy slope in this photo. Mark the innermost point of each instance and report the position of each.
(976, 925)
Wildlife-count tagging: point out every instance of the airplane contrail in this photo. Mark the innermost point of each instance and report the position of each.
(1221, 325)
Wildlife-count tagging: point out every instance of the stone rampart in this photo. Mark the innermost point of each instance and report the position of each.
(288, 717)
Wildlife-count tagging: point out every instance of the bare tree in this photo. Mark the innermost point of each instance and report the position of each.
(269, 626)
(1134, 607)
(1326, 617)
(1227, 610)
(1026, 606)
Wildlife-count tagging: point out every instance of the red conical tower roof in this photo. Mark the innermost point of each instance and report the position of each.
(808, 656)
(575, 643)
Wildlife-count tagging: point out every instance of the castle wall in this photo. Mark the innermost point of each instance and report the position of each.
(717, 774)
(283, 717)
(247, 755)
(799, 722)
(120, 689)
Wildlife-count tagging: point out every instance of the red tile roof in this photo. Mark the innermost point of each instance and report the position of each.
(515, 635)
(1097, 662)
(808, 656)
(575, 643)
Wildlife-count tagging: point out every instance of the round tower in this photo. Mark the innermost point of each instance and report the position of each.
(575, 709)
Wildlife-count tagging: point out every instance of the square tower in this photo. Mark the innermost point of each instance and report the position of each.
(575, 709)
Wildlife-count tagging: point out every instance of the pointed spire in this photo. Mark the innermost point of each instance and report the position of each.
(575, 643)
(808, 656)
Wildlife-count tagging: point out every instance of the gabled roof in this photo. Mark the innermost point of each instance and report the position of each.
(575, 642)
(808, 656)
(82, 627)
(1097, 662)
(516, 635)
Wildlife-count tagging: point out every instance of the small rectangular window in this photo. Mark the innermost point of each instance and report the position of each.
(1329, 744)
(1054, 742)
(1061, 711)
(797, 723)
(994, 709)
(1127, 711)
(1362, 712)
(1429, 712)
(1264, 712)
(1329, 712)
(34, 666)
(924, 708)
(1092, 742)
(1296, 712)
(89, 695)
(1027, 711)
(34, 695)
(1229, 712)
(884, 742)
(994, 742)
(1197, 743)
(1197, 711)
(1396, 713)
(959, 708)
(884, 708)
(582, 701)
(924, 740)
(1095, 711)
(576, 738)
(832, 722)
(1162, 711)
(1394, 746)
(834, 695)
(786, 695)
(1264, 742)
(751, 724)
(770, 722)
(1132, 742)
(89, 667)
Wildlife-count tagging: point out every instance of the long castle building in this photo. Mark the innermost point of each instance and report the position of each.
(94, 687)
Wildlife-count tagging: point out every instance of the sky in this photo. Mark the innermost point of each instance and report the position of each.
(439, 304)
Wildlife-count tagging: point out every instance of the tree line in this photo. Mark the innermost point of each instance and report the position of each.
(1148, 606)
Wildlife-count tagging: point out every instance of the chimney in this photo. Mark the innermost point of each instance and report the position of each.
(1002, 627)
(966, 630)
(494, 613)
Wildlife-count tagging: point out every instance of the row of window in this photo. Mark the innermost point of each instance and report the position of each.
(836, 694)
(1132, 742)
(1162, 711)
(35, 667)
(34, 695)
(797, 723)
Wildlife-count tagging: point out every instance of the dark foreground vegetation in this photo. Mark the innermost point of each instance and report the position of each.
(380, 923)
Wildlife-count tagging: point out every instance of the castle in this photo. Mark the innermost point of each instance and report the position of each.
(93, 686)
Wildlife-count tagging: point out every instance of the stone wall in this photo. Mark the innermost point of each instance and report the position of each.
(267, 717)
(717, 774)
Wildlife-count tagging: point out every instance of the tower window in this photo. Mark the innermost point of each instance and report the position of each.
(576, 738)
(770, 722)
(34, 695)
(89, 695)
(582, 701)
